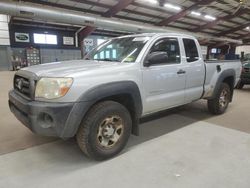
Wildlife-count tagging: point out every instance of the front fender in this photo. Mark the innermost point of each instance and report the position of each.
(106, 90)
(97, 93)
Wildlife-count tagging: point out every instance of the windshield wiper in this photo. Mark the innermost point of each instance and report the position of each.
(106, 59)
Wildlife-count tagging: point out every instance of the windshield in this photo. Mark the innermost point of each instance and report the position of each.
(122, 50)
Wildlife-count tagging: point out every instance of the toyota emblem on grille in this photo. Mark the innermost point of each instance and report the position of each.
(19, 84)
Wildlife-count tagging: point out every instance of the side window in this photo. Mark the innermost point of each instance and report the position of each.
(191, 50)
(171, 47)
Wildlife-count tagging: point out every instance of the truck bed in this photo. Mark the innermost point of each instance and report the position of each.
(213, 70)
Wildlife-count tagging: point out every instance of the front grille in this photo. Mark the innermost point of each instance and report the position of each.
(23, 86)
(246, 69)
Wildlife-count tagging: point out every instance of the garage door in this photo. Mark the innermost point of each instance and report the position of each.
(4, 62)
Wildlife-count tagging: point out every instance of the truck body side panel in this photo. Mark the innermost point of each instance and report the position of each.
(215, 69)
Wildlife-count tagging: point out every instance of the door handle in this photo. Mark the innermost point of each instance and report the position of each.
(181, 71)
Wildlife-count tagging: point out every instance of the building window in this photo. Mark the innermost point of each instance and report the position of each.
(100, 41)
(45, 39)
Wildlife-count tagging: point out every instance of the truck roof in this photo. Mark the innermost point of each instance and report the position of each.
(158, 34)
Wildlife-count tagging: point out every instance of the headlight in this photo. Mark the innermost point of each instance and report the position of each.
(51, 88)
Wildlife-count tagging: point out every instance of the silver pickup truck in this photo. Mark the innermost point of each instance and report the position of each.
(100, 99)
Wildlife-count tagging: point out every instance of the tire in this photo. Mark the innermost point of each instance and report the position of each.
(105, 130)
(240, 85)
(219, 104)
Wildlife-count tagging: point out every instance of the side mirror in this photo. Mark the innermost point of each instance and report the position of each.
(156, 58)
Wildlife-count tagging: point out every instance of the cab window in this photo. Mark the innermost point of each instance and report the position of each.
(169, 47)
(190, 50)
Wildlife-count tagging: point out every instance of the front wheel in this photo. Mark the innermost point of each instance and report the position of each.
(105, 130)
(219, 104)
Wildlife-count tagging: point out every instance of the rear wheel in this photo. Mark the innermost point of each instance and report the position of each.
(240, 85)
(219, 104)
(105, 130)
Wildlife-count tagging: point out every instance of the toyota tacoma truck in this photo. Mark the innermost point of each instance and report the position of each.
(100, 99)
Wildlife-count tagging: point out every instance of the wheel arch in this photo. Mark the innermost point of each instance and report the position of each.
(228, 77)
(126, 93)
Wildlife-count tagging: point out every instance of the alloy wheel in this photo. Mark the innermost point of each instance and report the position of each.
(110, 131)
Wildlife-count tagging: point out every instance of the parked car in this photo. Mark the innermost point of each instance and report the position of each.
(245, 75)
(100, 99)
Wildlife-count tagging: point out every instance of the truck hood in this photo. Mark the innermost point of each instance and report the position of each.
(69, 68)
(246, 64)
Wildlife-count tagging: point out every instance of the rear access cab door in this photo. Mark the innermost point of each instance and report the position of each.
(195, 70)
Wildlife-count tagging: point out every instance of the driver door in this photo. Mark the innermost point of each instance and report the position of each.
(164, 80)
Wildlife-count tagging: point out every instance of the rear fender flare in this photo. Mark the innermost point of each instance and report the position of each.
(225, 74)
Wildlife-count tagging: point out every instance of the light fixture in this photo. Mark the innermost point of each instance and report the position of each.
(168, 5)
(209, 17)
(152, 1)
(248, 28)
(196, 13)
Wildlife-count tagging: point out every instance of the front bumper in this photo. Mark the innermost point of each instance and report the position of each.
(48, 118)
(245, 78)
